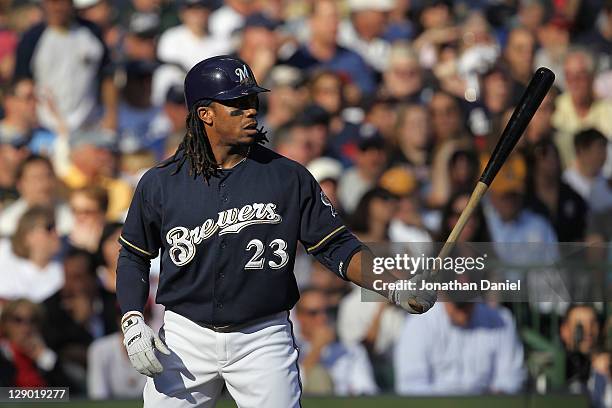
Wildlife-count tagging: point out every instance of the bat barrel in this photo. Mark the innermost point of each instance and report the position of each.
(538, 87)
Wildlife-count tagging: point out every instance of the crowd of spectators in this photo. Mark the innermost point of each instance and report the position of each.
(393, 105)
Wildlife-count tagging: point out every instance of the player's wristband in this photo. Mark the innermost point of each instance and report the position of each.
(129, 319)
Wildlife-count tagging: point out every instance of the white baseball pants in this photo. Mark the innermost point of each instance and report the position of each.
(258, 364)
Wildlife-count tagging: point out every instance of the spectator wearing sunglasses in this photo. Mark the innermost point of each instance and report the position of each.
(89, 206)
(25, 359)
(27, 265)
(326, 365)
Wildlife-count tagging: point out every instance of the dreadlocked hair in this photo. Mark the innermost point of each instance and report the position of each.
(196, 148)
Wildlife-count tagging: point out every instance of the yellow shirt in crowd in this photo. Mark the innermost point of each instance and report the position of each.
(567, 122)
(119, 192)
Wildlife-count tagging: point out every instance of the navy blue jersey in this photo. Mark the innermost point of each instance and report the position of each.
(228, 246)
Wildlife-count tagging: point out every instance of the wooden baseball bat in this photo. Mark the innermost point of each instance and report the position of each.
(539, 85)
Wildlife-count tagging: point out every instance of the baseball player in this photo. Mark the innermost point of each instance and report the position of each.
(227, 214)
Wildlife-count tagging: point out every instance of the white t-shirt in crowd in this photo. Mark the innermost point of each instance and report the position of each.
(223, 22)
(20, 278)
(356, 316)
(180, 46)
(109, 372)
(596, 192)
(73, 83)
(9, 218)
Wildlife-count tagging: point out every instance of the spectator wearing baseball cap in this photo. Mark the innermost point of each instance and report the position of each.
(258, 44)
(327, 172)
(364, 31)
(168, 127)
(136, 110)
(315, 122)
(104, 15)
(407, 223)
(140, 41)
(506, 216)
(370, 160)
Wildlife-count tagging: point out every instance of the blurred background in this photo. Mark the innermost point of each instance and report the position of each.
(393, 106)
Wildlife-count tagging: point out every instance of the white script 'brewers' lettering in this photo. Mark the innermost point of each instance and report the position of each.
(183, 241)
(182, 250)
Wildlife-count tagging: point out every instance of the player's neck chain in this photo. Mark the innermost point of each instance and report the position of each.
(241, 160)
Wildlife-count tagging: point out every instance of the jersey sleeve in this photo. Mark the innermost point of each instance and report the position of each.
(322, 230)
(142, 228)
(106, 68)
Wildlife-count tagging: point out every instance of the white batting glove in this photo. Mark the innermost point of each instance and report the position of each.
(414, 301)
(141, 341)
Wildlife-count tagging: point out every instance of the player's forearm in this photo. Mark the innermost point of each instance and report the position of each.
(360, 272)
(132, 281)
(416, 301)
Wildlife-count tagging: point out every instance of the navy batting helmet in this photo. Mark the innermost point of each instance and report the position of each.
(220, 78)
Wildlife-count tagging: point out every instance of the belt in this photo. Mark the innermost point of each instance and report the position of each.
(228, 328)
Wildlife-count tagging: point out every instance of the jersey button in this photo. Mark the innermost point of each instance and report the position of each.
(221, 275)
(219, 305)
(222, 185)
(225, 199)
(223, 244)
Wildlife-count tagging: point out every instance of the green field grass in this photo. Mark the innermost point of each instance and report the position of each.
(526, 401)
